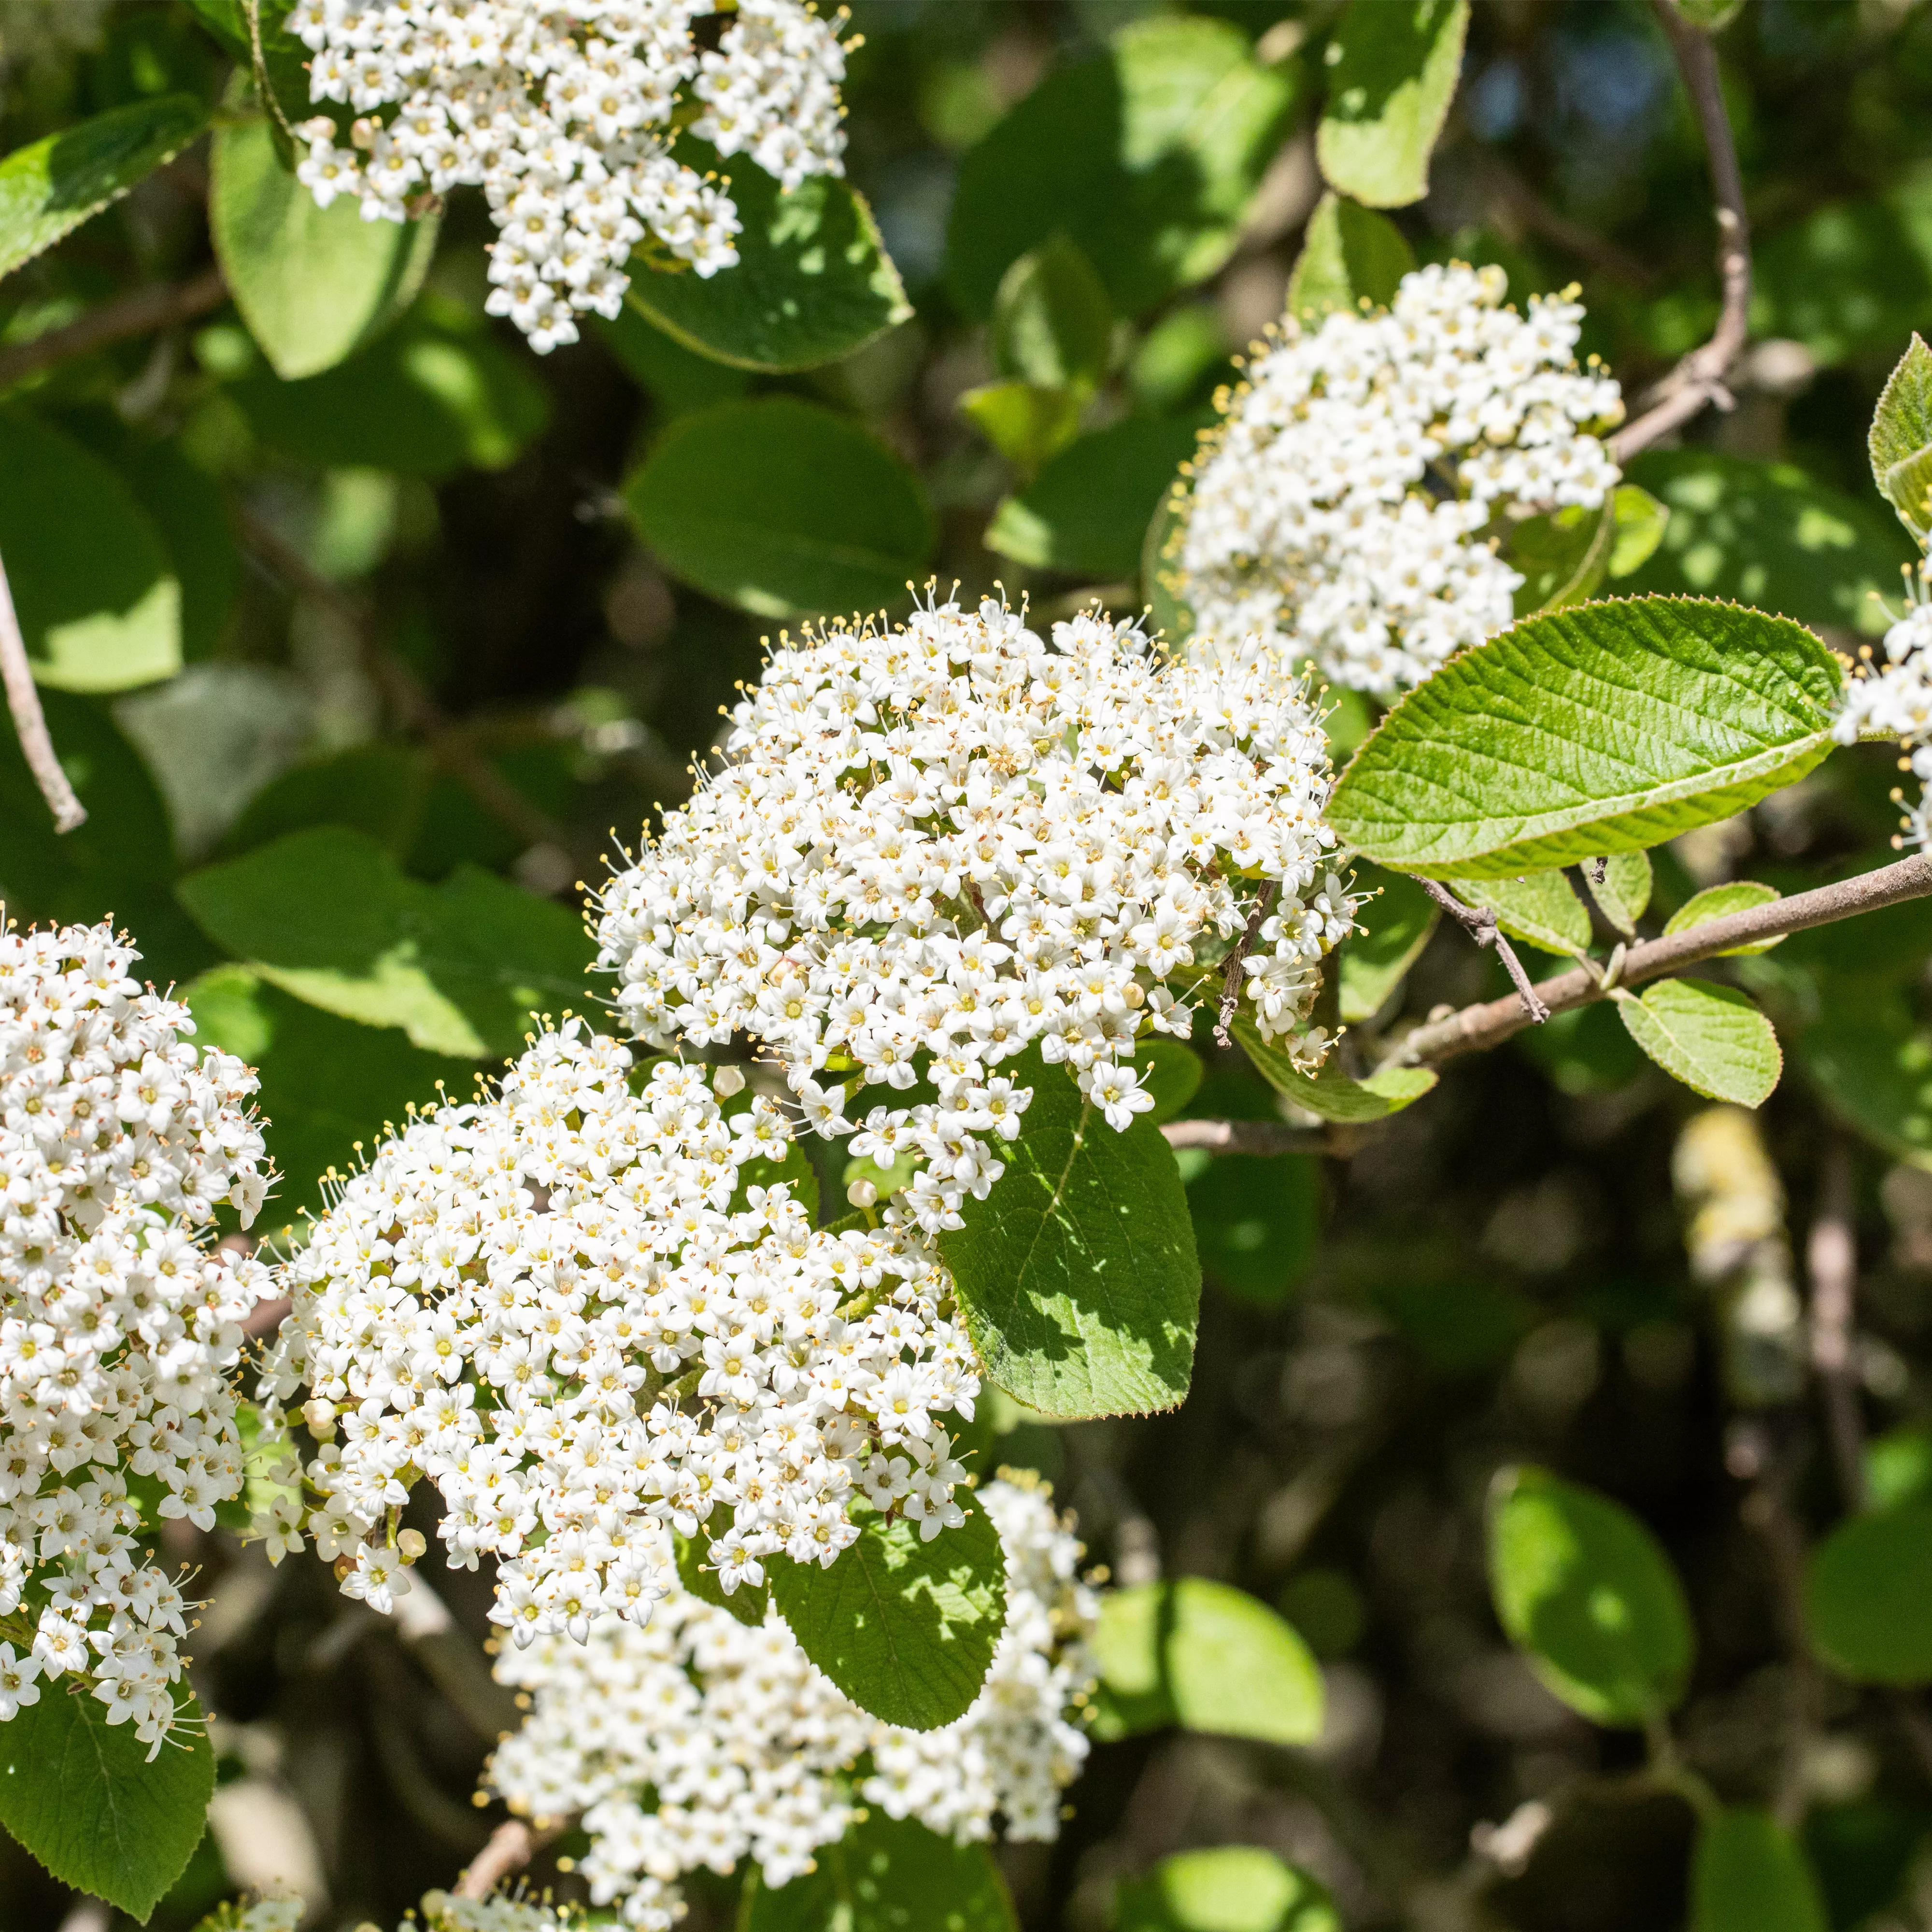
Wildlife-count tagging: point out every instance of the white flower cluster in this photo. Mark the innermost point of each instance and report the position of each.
(563, 112)
(119, 1324)
(699, 1741)
(931, 847)
(1347, 507)
(1894, 698)
(575, 1309)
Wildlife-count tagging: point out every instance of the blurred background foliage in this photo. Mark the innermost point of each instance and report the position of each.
(398, 650)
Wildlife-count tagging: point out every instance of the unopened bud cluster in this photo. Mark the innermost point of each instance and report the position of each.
(119, 1321)
(931, 847)
(699, 1741)
(563, 112)
(1349, 507)
(584, 1309)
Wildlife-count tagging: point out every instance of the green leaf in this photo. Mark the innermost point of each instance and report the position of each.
(1873, 1067)
(1540, 908)
(327, 1083)
(1900, 442)
(81, 1795)
(1257, 1222)
(329, 916)
(1562, 556)
(1207, 1657)
(1077, 1275)
(1720, 902)
(189, 510)
(1585, 1590)
(50, 188)
(885, 1876)
(313, 284)
(1898, 1466)
(782, 508)
(1331, 1093)
(1168, 616)
(1391, 929)
(1766, 534)
(1170, 1071)
(1640, 523)
(1052, 324)
(1349, 255)
(1025, 424)
(1606, 728)
(1624, 891)
(1868, 1597)
(1710, 1037)
(905, 1627)
(1393, 66)
(99, 606)
(1749, 1875)
(678, 379)
(812, 284)
(747, 1602)
(1086, 511)
(433, 395)
(1145, 158)
(1230, 1888)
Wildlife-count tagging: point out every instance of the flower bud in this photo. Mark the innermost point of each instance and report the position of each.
(727, 1081)
(320, 1413)
(410, 1544)
(862, 1193)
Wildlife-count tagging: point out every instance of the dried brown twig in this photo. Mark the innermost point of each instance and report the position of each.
(23, 700)
(1480, 921)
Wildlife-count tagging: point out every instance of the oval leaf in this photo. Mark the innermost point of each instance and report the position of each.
(782, 508)
(1711, 1038)
(1392, 73)
(813, 281)
(313, 284)
(1606, 728)
(1623, 892)
(1146, 157)
(1391, 929)
(1900, 442)
(885, 1875)
(99, 604)
(1585, 1591)
(1077, 1275)
(329, 916)
(1720, 902)
(1230, 1888)
(1749, 1876)
(1207, 1657)
(1349, 255)
(1086, 511)
(1331, 1093)
(1540, 908)
(906, 1628)
(1868, 1597)
(83, 1796)
(1052, 324)
(49, 188)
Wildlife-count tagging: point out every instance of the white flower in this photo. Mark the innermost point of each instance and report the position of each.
(119, 1321)
(563, 112)
(1347, 507)
(1117, 1092)
(930, 847)
(1894, 699)
(699, 1741)
(574, 1308)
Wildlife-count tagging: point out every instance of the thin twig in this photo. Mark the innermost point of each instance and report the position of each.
(1480, 921)
(23, 700)
(1245, 1137)
(512, 1845)
(139, 312)
(1477, 1027)
(1699, 378)
(1231, 981)
(445, 744)
(1507, 187)
(1831, 1261)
